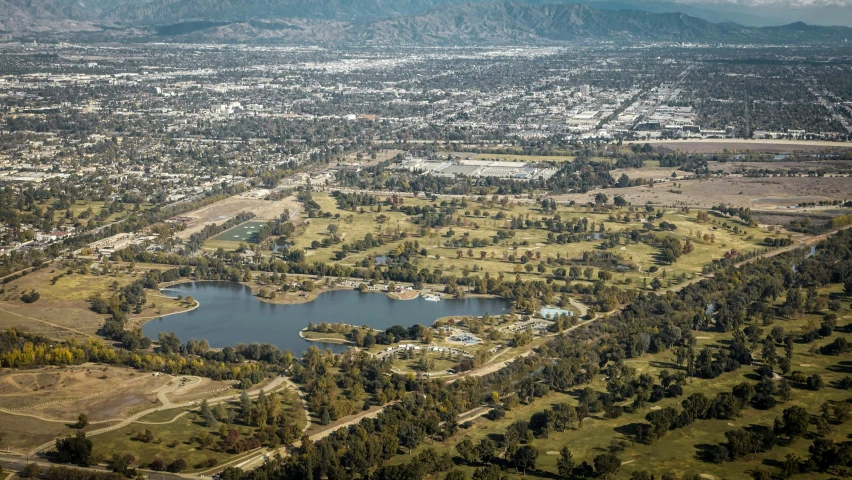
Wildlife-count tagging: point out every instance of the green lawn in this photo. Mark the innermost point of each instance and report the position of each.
(678, 450)
(179, 437)
(244, 232)
(182, 431)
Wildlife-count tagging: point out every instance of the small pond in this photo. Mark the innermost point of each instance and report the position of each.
(553, 312)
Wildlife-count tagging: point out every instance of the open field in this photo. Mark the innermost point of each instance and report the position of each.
(176, 434)
(244, 232)
(179, 433)
(679, 450)
(63, 310)
(734, 145)
(512, 157)
(226, 209)
(442, 248)
(101, 392)
(755, 193)
(649, 173)
(20, 433)
(827, 166)
(381, 156)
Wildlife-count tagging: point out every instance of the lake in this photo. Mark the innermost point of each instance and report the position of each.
(229, 314)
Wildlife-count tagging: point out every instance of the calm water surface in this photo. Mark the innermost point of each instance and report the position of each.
(229, 314)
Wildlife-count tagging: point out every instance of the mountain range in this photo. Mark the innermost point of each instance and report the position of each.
(383, 22)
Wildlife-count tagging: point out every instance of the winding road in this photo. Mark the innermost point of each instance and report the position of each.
(167, 404)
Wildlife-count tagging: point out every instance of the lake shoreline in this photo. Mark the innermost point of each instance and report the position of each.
(311, 296)
(339, 341)
(226, 313)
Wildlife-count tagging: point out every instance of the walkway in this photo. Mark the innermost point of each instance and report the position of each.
(133, 418)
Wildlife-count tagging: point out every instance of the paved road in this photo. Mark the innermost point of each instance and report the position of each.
(258, 460)
(17, 462)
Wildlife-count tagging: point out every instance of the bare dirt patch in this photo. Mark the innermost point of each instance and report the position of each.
(755, 193)
(654, 173)
(404, 295)
(740, 145)
(816, 165)
(61, 393)
(204, 389)
(226, 209)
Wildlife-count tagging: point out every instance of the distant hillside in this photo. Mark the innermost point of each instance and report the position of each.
(380, 22)
(514, 23)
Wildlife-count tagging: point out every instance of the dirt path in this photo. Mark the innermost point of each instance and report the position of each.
(133, 418)
(473, 414)
(584, 310)
(176, 417)
(46, 323)
(258, 460)
(304, 400)
(173, 387)
(494, 367)
(807, 242)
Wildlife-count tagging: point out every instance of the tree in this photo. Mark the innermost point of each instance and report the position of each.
(466, 450)
(120, 463)
(760, 474)
(768, 352)
(485, 450)
(488, 472)
(565, 463)
(525, 457)
(641, 475)
(177, 466)
(607, 464)
(842, 412)
(207, 414)
(82, 421)
(410, 436)
(815, 382)
(823, 453)
(455, 475)
(793, 423)
(76, 449)
(31, 471)
(790, 466)
(245, 407)
(31, 297)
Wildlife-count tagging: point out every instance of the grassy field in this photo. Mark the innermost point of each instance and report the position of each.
(19, 433)
(63, 309)
(177, 433)
(244, 232)
(679, 450)
(443, 255)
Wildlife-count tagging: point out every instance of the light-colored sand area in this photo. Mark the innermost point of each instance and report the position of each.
(226, 209)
